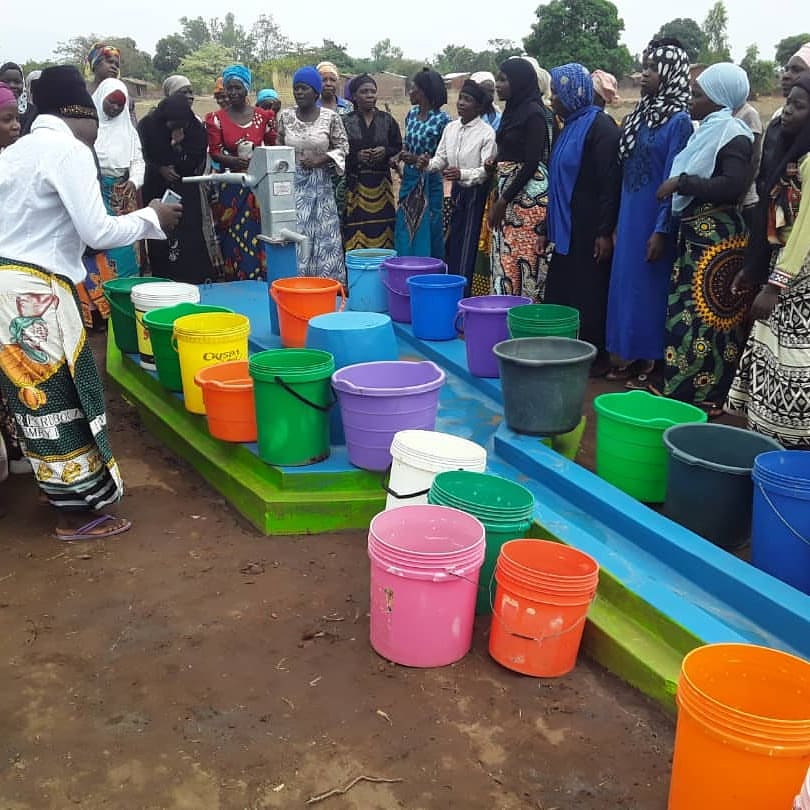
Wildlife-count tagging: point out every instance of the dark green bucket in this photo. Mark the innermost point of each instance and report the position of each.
(293, 398)
(117, 291)
(160, 323)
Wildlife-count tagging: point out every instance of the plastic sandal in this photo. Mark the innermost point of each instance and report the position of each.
(87, 532)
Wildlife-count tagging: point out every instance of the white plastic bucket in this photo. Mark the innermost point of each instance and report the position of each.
(418, 455)
(802, 801)
(165, 294)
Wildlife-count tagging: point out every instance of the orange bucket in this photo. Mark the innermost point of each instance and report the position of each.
(298, 300)
(743, 734)
(227, 391)
(543, 593)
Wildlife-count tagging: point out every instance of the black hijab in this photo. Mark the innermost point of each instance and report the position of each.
(432, 85)
(156, 136)
(525, 100)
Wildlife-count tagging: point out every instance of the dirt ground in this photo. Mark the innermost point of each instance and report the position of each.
(193, 664)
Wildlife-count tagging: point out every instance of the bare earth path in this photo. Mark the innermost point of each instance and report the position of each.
(195, 665)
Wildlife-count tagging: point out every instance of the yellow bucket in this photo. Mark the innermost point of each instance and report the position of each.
(206, 340)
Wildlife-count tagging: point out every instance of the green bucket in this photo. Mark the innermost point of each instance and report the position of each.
(160, 323)
(293, 398)
(504, 508)
(117, 291)
(543, 320)
(630, 451)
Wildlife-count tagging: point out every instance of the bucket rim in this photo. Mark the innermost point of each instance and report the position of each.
(347, 387)
(671, 433)
(126, 284)
(450, 280)
(300, 285)
(588, 351)
(601, 404)
(477, 303)
(726, 647)
(762, 469)
(153, 318)
(416, 441)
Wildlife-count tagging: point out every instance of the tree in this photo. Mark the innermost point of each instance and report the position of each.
(500, 50)
(269, 42)
(456, 59)
(585, 31)
(715, 29)
(687, 32)
(203, 66)
(761, 73)
(169, 52)
(786, 47)
(230, 34)
(195, 32)
(384, 54)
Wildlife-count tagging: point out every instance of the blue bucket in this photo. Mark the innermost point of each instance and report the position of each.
(352, 337)
(366, 290)
(434, 305)
(282, 262)
(780, 534)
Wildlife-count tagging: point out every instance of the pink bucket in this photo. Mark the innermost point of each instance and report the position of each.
(425, 563)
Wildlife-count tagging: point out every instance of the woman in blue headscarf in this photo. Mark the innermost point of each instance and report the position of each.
(583, 205)
(233, 133)
(704, 326)
(321, 146)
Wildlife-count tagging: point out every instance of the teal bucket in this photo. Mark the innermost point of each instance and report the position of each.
(364, 273)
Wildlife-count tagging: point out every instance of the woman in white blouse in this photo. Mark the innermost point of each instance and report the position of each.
(321, 146)
(466, 145)
(52, 209)
(121, 164)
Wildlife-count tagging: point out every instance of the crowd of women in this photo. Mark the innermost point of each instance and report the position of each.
(681, 235)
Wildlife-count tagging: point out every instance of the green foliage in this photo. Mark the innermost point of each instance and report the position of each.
(585, 31)
(761, 73)
(687, 32)
(37, 64)
(269, 42)
(195, 32)
(461, 59)
(203, 66)
(786, 47)
(384, 55)
(715, 30)
(169, 52)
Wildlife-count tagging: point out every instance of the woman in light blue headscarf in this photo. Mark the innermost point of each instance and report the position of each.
(705, 318)
(583, 205)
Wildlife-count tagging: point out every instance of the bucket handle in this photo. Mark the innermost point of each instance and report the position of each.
(459, 327)
(315, 405)
(386, 480)
(780, 516)
(274, 296)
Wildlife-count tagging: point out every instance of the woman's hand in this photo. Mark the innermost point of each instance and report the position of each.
(497, 211)
(178, 136)
(168, 214)
(422, 162)
(408, 158)
(490, 164)
(764, 303)
(603, 249)
(313, 160)
(744, 281)
(656, 245)
(169, 174)
(452, 173)
(377, 153)
(667, 189)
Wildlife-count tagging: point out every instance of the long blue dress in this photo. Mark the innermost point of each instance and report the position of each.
(637, 302)
(418, 230)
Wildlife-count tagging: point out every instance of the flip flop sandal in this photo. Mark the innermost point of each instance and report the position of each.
(618, 373)
(641, 381)
(87, 532)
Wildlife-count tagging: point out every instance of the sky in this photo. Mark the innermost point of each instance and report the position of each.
(422, 28)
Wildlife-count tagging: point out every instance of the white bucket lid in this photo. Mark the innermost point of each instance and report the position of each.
(164, 294)
(435, 452)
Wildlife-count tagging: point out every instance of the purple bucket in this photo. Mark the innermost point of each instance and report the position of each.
(379, 399)
(396, 272)
(483, 321)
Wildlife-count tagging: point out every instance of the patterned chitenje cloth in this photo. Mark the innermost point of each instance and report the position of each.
(104, 265)
(238, 223)
(772, 386)
(51, 385)
(370, 211)
(705, 320)
(517, 268)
